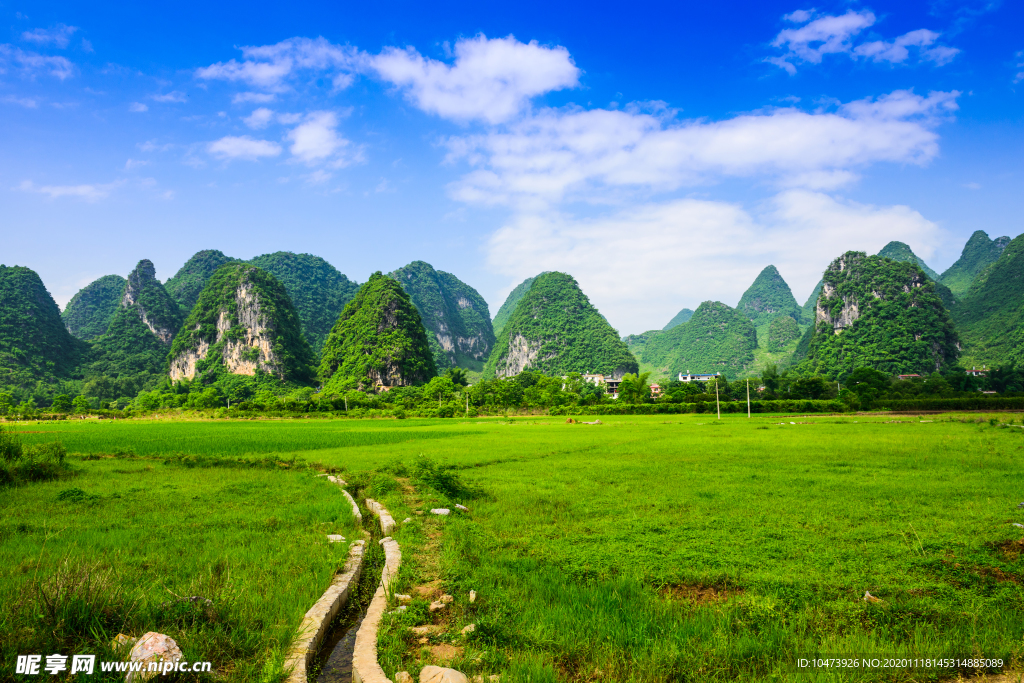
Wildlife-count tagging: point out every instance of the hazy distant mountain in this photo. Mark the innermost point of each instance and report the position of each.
(680, 318)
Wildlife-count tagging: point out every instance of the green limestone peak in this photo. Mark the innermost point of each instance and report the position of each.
(880, 313)
(900, 251)
(680, 318)
(768, 297)
(990, 317)
(148, 299)
(807, 312)
(511, 301)
(978, 253)
(379, 340)
(243, 323)
(34, 344)
(190, 279)
(454, 314)
(90, 311)
(555, 329)
(317, 290)
(716, 339)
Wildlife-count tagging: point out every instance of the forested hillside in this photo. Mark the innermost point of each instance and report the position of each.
(978, 253)
(679, 318)
(34, 344)
(901, 251)
(556, 330)
(883, 314)
(90, 311)
(379, 340)
(454, 314)
(242, 324)
(317, 290)
(767, 298)
(990, 318)
(507, 308)
(186, 285)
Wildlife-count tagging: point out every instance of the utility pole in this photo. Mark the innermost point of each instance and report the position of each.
(717, 406)
(748, 398)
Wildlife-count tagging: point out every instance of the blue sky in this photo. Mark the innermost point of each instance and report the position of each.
(662, 155)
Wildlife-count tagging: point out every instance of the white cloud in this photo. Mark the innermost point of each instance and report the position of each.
(175, 96)
(134, 163)
(90, 193)
(138, 107)
(152, 146)
(26, 102)
(268, 67)
(492, 80)
(1020, 65)
(243, 147)
(31, 63)
(316, 140)
(641, 265)
(253, 97)
(597, 155)
(830, 34)
(259, 119)
(58, 36)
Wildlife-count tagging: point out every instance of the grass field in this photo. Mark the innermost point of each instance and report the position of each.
(643, 549)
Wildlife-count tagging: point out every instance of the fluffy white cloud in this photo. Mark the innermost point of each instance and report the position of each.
(259, 119)
(268, 67)
(595, 154)
(58, 36)
(90, 193)
(830, 34)
(253, 97)
(642, 264)
(491, 79)
(316, 139)
(175, 96)
(31, 63)
(243, 147)
(138, 107)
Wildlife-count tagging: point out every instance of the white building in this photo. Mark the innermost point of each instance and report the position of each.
(698, 378)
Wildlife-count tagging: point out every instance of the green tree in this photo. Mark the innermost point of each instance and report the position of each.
(508, 392)
(439, 389)
(81, 404)
(62, 404)
(457, 375)
(634, 388)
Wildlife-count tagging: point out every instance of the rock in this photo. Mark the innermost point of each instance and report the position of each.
(446, 598)
(403, 677)
(152, 647)
(462, 507)
(472, 596)
(403, 598)
(406, 520)
(437, 606)
(466, 630)
(868, 597)
(122, 643)
(1019, 526)
(423, 641)
(1020, 505)
(440, 511)
(335, 538)
(426, 630)
(438, 674)
(385, 539)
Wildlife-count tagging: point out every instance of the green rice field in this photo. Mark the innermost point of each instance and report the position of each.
(641, 549)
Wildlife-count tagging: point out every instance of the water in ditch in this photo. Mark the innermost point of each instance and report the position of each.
(333, 663)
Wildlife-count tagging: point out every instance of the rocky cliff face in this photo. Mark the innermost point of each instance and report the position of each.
(243, 323)
(144, 294)
(841, 309)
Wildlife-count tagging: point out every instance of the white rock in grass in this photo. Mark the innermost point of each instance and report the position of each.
(152, 647)
(335, 538)
(403, 598)
(462, 507)
(437, 605)
(403, 677)
(466, 630)
(439, 674)
(406, 520)
(440, 511)
(472, 596)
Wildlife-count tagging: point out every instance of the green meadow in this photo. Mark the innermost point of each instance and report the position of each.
(641, 549)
